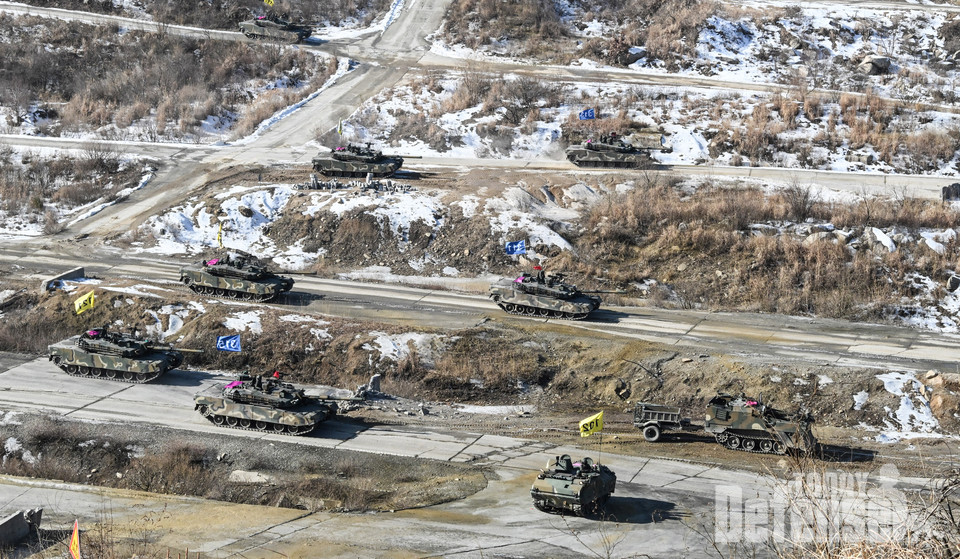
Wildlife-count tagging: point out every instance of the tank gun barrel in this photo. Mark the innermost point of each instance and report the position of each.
(338, 398)
(621, 292)
(170, 347)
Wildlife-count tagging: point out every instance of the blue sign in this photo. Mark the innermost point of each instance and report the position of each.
(587, 114)
(517, 247)
(228, 343)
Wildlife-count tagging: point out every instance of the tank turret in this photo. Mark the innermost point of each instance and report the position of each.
(744, 423)
(578, 487)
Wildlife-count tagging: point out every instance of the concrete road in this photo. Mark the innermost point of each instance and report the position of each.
(771, 337)
(660, 507)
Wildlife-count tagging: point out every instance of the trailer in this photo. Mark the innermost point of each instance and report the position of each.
(653, 419)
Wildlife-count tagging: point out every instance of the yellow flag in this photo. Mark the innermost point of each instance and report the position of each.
(220, 235)
(268, 2)
(340, 127)
(84, 303)
(75, 540)
(591, 424)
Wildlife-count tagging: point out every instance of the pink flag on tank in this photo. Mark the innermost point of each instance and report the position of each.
(213, 262)
(233, 384)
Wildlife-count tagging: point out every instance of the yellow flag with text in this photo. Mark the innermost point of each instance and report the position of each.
(84, 303)
(220, 236)
(75, 541)
(591, 424)
(340, 127)
(268, 2)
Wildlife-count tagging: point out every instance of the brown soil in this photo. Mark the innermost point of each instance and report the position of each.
(159, 461)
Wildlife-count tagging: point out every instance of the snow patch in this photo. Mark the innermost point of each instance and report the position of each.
(244, 320)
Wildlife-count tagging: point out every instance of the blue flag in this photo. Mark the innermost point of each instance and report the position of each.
(587, 114)
(228, 343)
(517, 247)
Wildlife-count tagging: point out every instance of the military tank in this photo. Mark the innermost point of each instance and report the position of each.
(742, 423)
(265, 404)
(545, 296)
(274, 28)
(355, 160)
(236, 275)
(612, 152)
(578, 487)
(100, 353)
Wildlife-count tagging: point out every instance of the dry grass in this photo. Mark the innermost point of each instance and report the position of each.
(651, 231)
(225, 14)
(53, 448)
(98, 77)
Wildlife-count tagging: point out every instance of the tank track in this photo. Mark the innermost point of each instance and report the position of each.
(230, 294)
(533, 312)
(610, 164)
(544, 507)
(250, 425)
(353, 174)
(260, 37)
(108, 374)
(579, 510)
(743, 443)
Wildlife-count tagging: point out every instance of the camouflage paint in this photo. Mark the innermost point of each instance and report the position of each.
(275, 29)
(743, 423)
(356, 161)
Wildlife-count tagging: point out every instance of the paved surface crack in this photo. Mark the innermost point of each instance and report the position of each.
(275, 537)
(686, 477)
(642, 466)
(100, 399)
(482, 549)
(462, 450)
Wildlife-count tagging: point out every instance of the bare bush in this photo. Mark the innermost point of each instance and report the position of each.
(800, 199)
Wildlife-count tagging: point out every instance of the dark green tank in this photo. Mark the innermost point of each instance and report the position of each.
(274, 28)
(544, 296)
(579, 487)
(236, 275)
(100, 353)
(355, 160)
(259, 403)
(612, 152)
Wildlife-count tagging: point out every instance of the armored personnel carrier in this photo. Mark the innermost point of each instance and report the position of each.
(578, 487)
(546, 296)
(100, 353)
(355, 160)
(265, 404)
(274, 28)
(236, 275)
(742, 423)
(611, 151)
